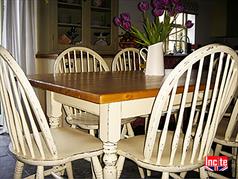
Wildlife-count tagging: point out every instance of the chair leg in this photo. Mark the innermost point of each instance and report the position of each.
(218, 150)
(92, 132)
(123, 131)
(74, 126)
(58, 170)
(148, 173)
(146, 123)
(18, 170)
(183, 174)
(165, 175)
(176, 175)
(236, 159)
(40, 172)
(92, 169)
(130, 130)
(97, 168)
(120, 163)
(203, 173)
(56, 176)
(141, 172)
(69, 170)
(234, 164)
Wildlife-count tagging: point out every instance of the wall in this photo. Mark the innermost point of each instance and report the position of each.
(130, 6)
(232, 25)
(211, 20)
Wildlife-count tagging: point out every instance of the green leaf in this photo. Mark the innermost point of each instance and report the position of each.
(140, 36)
(153, 31)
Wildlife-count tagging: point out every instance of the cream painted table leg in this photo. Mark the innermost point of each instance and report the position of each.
(110, 127)
(53, 110)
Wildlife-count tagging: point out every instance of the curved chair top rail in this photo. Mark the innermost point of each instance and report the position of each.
(127, 59)
(25, 119)
(79, 59)
(213, 90)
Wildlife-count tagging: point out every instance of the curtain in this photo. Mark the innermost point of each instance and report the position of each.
(19, 21)
(18, 32)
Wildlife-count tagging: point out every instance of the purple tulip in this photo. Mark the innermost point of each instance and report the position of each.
(125, 17)
(171, 12)
(143, 6)
(156, 4)
(158, 12)
(175, 1)
(189, 24)
(179, 8)
(165, 2)
(117, 21)
(126, 25)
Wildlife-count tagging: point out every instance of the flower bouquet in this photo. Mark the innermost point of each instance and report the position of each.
(155, 30)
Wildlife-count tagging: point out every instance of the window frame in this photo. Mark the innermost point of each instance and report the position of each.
(178, 44)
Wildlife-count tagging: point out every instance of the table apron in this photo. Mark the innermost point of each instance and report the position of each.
(77, 103)
(130, 108)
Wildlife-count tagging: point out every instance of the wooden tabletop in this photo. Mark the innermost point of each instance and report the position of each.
(101, 87)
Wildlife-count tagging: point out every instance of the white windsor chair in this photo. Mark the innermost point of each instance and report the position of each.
(32, 141)
(227, 135)
(178, 150)
(127, 59)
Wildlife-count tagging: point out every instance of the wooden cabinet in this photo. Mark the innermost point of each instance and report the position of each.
(65, 23)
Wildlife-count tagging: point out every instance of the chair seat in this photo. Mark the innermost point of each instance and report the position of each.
(126, 148)
(220, 134)
(78, 145)
(90, 121)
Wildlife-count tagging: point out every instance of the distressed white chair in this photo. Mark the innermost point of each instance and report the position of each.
(177, 151)
(82, 59)
(227, 135)
(32, 141)
(127, 59)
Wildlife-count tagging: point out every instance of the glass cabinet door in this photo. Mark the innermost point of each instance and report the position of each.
(69, 22)
(100, 22)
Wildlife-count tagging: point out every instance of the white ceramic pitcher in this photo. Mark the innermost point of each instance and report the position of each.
(154, 60)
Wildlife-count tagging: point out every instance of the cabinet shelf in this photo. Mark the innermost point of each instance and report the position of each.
(69, 25)
(100, 27)
(103, 9)
(69, 5)
(82, 21)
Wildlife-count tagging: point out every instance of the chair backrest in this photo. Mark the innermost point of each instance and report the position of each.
(127, 59)
(227, 132)
(218, 85)
(27, 125)
(79, 59)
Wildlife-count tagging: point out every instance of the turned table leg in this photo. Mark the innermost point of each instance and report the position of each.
(53, 110)
(110, 127)
(110, 159)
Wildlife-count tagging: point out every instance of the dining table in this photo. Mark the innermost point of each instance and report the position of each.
(110, 95)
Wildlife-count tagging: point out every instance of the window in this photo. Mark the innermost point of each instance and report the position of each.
(180, 36)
